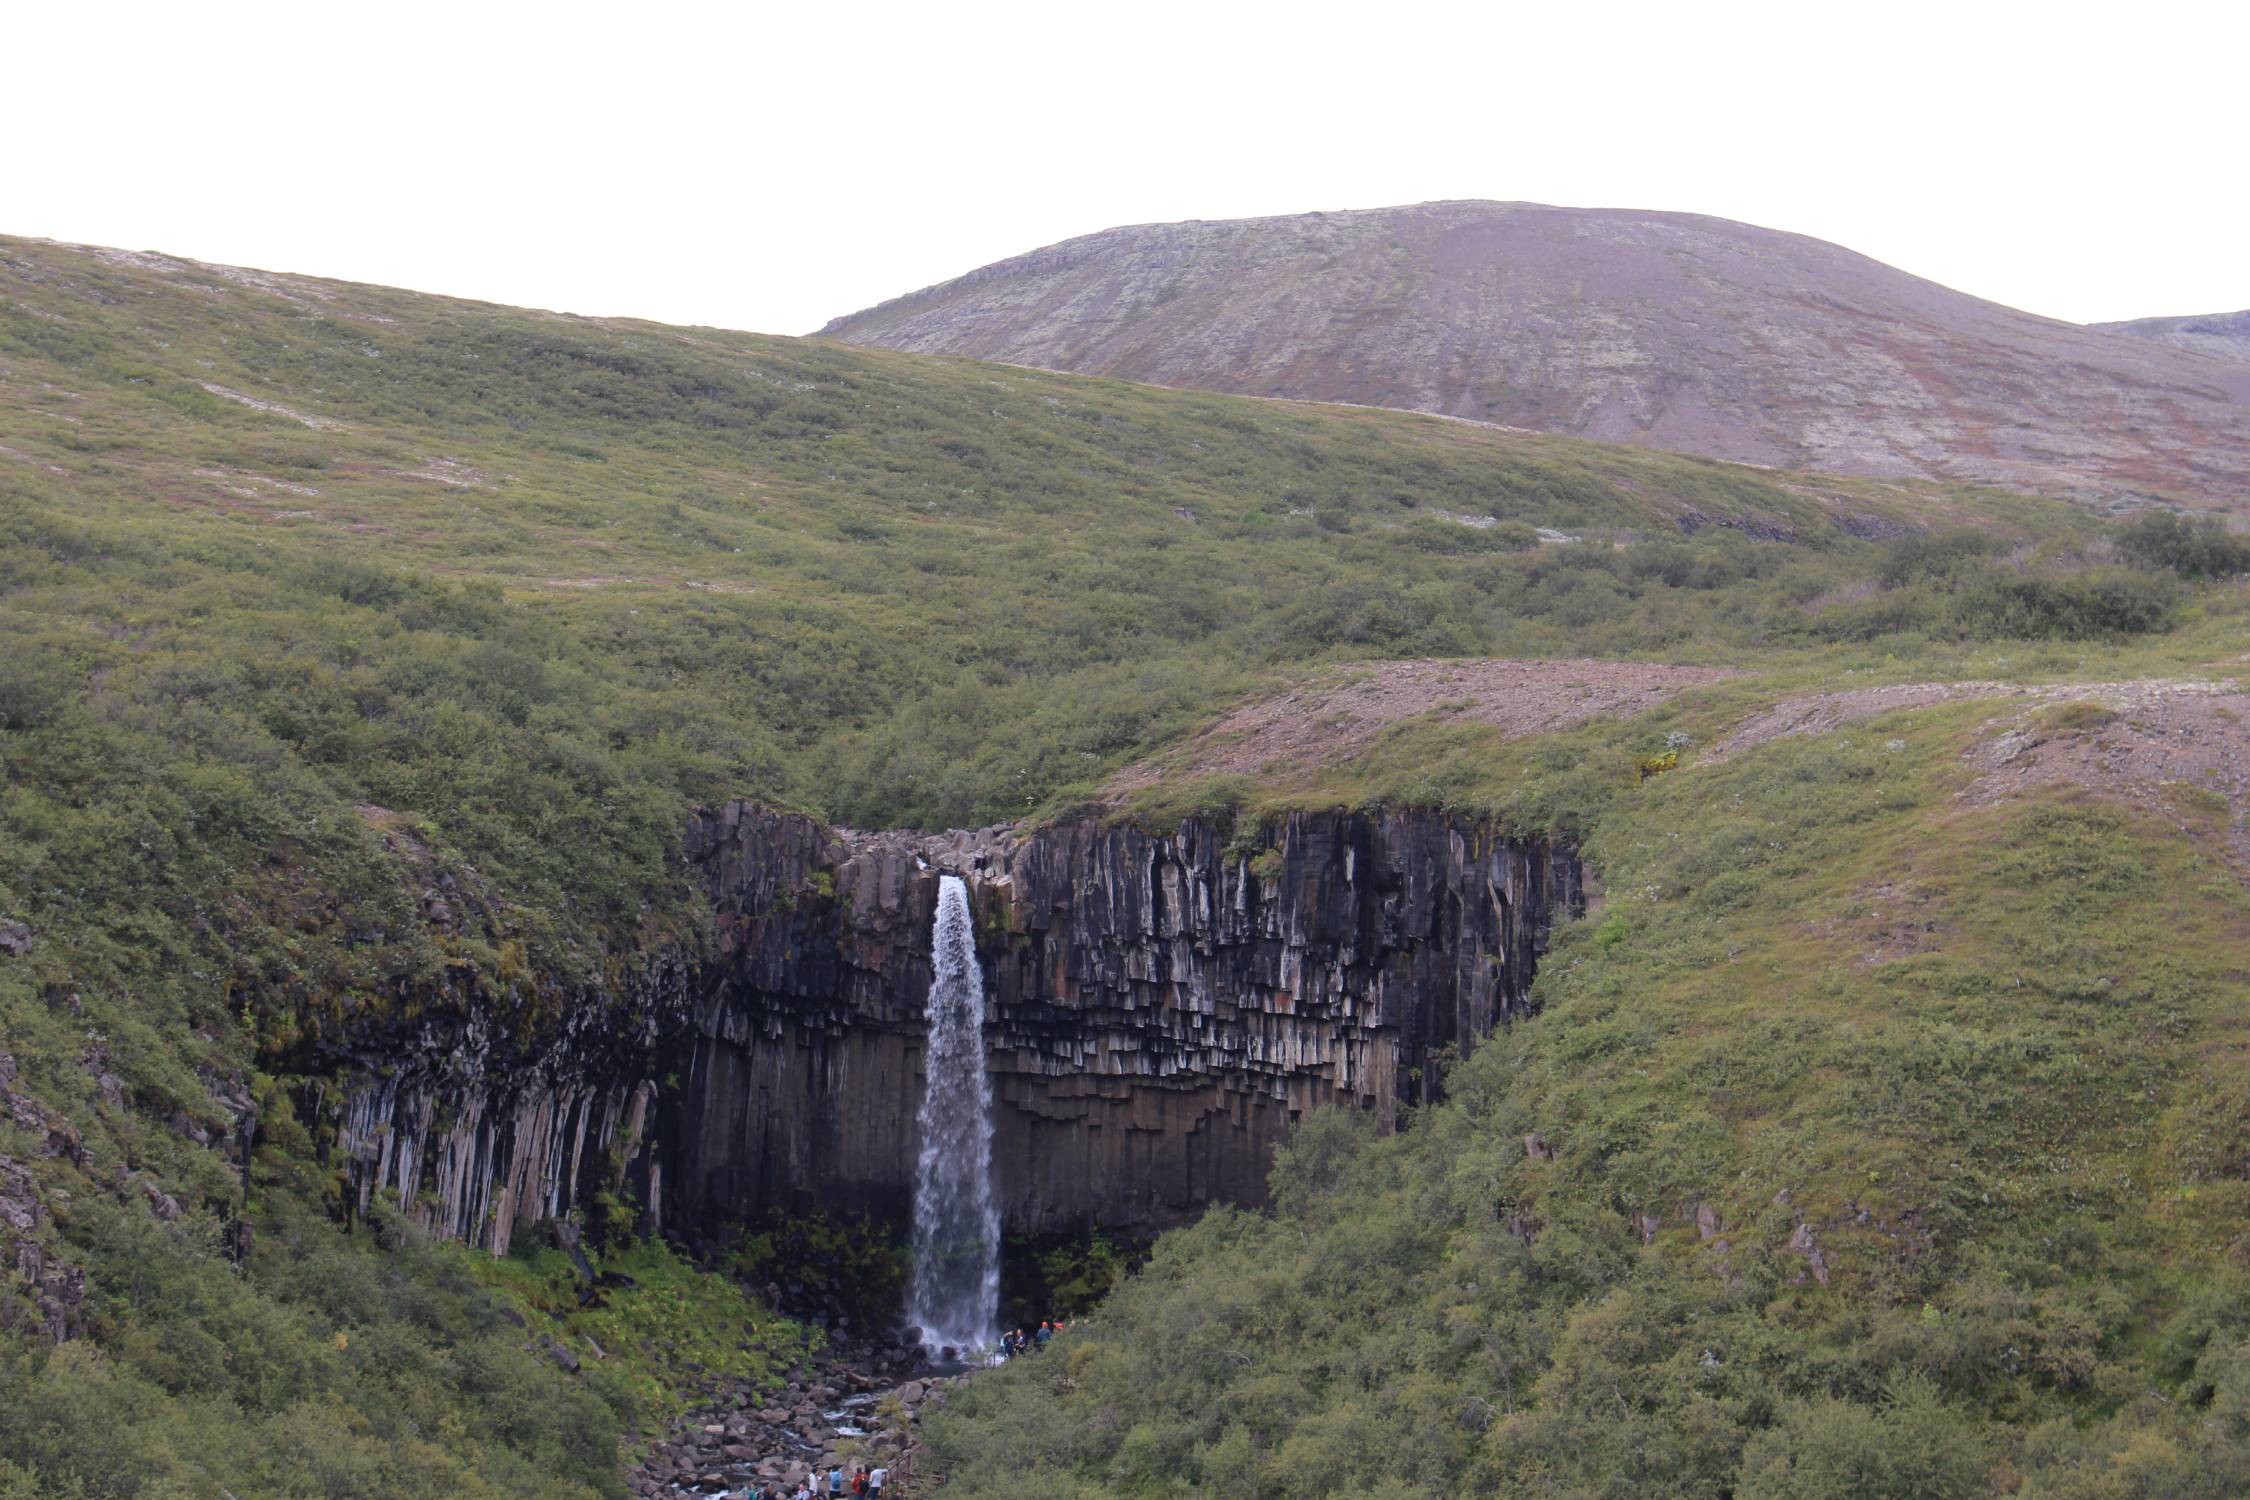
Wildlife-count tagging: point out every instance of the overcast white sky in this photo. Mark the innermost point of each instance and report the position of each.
(769, 167)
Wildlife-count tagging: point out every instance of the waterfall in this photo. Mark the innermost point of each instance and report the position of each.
(956, 1297)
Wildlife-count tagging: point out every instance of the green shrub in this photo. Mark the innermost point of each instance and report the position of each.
(2098, 604)
(1962, 596)
(1946, 554)
(1910, 1448)
(35, 684)
(2198, 547)
(851, 1259)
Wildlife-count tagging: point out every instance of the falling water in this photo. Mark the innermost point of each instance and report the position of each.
(956, 1301)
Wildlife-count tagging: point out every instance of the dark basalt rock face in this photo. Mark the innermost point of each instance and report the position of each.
(48, 1292)
(1162, 1007)
(484, 1122)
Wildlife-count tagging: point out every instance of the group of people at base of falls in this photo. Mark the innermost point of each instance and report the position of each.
(861, 1483)
(1015, 1341)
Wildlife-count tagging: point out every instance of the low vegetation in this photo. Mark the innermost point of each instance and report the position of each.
(325, 1365)
(317, 600)
(1863, 1147)
(653, 1334)
(2199, 547)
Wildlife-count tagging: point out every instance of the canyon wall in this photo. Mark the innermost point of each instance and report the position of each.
(1162, 1007)
(483, 1122)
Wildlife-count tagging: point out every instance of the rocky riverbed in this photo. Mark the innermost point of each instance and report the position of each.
(852, 1403)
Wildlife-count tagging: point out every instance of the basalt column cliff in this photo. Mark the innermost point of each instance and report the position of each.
(1163, 1005)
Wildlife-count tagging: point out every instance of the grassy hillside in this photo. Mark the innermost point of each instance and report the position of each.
(315, 599)
(1881, 1136)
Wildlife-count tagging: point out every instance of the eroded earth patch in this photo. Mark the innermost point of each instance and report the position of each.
(2179, 747)
(1333, 718)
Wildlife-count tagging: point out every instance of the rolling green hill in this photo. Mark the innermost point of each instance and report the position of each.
(1881, 1137)
(293, 570)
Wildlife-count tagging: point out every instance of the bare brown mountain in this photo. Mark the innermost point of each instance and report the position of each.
(2226, 335)
(1668, 330)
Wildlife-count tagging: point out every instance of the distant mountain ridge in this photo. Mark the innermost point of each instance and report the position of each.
(1674, 331)
(2226, 335)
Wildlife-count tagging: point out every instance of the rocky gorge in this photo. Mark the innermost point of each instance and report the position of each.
(1163, 1005)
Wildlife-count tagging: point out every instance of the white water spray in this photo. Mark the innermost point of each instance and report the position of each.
(956, 1298)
